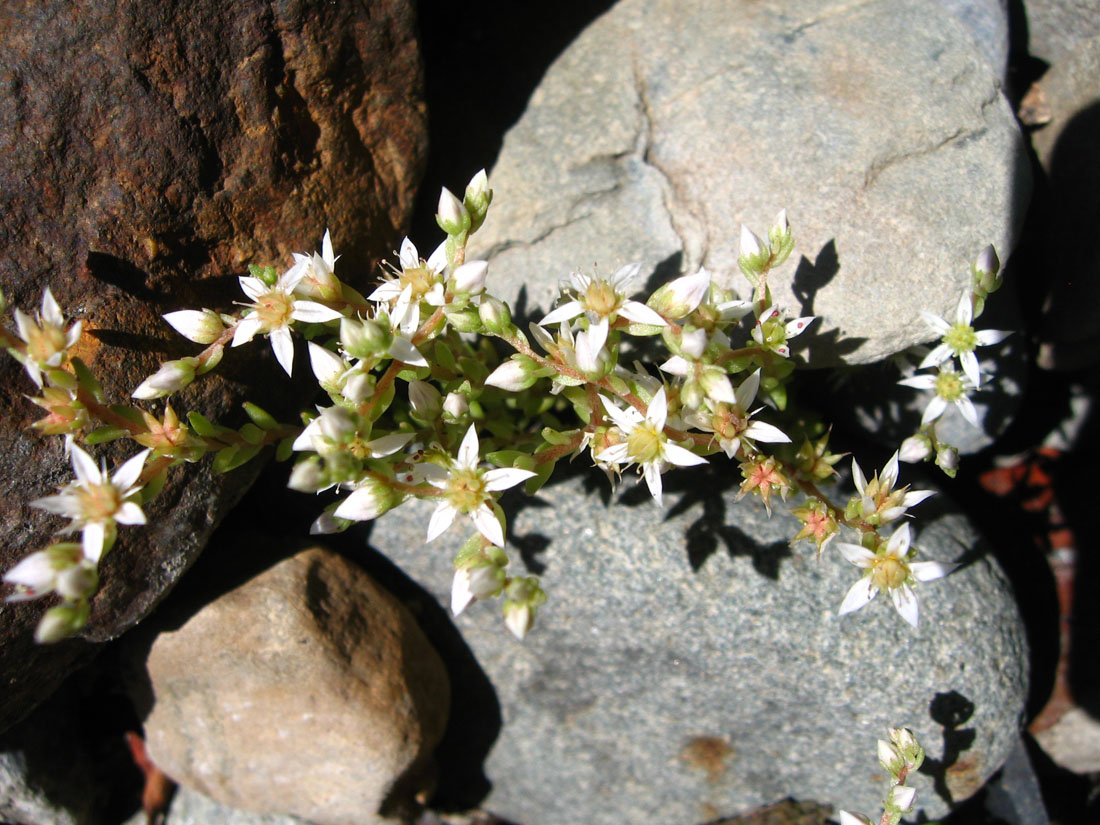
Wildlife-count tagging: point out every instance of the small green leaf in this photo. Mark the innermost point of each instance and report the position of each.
(105, 434)
(252, 434)
(233, 457)
(260, 417)
(202, 425)
(88, 381)
(128, 413)
(443, 355)
(285, 449)
(542, 475)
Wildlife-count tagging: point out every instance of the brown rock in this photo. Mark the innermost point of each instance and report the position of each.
(308, 690)
(150, 151)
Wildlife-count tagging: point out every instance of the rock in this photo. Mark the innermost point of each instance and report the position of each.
(1072, 741)
(987, 21)
(1070, 254)
(151, 154)
(1056, 27)
(190, 807)
(689, 665)
(308, 691)
(665, 125)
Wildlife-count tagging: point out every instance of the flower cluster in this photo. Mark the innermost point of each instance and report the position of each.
(899, 757)
(420, 404)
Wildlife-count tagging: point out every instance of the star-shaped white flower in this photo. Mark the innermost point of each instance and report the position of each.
(418, 279)
(891, 571)
(603, 300)
(960, 339)
(94, 502)
(733, 424)
(46, 337)
(879, 501)
(318, 280)
(468, 489)
(274, 308)
(646, 443)
(949, 388)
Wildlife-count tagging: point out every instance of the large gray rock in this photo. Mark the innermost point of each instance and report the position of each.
(190, 807)
(689, 665)
(309, 690)
(667, 124)
(987, 21)
(1056, 27)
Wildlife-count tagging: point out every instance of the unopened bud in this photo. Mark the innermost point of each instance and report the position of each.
(308, 476)
(452, 217)
(755, 255)
(60, 622)
(947, 459)
(455, 405)
(371, 499)
(495, 315)
(915, 448)
(426, 401)
(987, 270)
(202, 327)
(363, 339)
(901, 797)
(171, 377)
(78, 582)
(680, 297)
(469, 278)
(477, 199)
(336, 424)
(513, 375)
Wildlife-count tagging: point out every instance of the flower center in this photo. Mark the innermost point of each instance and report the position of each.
(99, 502)
(644, 443)
(601, 298)
(274, 308)
(420, 278)
(949, 386)
(466, 490)
(45, 342)
(961, 338)
(889, 573)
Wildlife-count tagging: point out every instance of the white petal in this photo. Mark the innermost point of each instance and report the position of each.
(966, 407)
(858, 595)
(437, 261)
(61, 504)
(326, 250)
(589, 344)
(125, 476)
(253, 287)
(129, 513)
(92, 539)
(746, 392)
(934, 410)
(468, 450)
(898, 545)
(657, 412)
(36, 572)
(858, 477)
(401, 349)
(327, 365)
(857, 554)
(386, 292)
(542, 337)
(926, 571)
(312, 312)
(889, 473)
(625, 420)
(442, 518)
(641, 314)
(85, 467)
(246, 330)
(964, 312)
(283, 346)
(505, 477)
(676, 365)
(936, 357)
(408, 257)
(992, 336)
(652, 474)
(919, 382)
(624, 275)
(488, 524)
(616, 454)
(304, 441)
(461, 594)
(905, 602)
(51, 310)
(761, 431)
(798, 325)
(914, 497)
(969, 363)
(563, 313)
(680, 456)
(388, 444)
(937, 323)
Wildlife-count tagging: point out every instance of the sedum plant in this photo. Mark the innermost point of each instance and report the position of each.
(431, 390)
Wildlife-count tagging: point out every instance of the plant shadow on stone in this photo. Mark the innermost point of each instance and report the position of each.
(950, 711)
(809, 279)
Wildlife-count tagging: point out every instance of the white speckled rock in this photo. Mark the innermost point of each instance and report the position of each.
(667, 124)
(688, 665)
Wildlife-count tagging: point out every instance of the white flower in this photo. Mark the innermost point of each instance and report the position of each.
(949, 388)
(314, 273)
(44, 571)
(733, 424)
(960, 339)
(646, 443)
(417, 280)
(879, 502)
(847, 818)
(773, 332)
(172, 377)
(46, 337)
(274, 308)
(889, 570)
(95, 502)
(680, 297)
(603, 300)
(467, 489)
(202, 327)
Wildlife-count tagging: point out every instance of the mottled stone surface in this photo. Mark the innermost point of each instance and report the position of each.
(987, 21)
(689, 665)
(309, 690)
(192, 808)
(150, 152)
(1056, 27)
(667, 124)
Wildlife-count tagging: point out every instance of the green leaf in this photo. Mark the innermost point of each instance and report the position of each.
(153, 487)
(443, 355)
(202, 425)
(104, 434)
(260, 417)
(129, 413)
(542, 475)
(252, 434)
(285, 449)
(234, 456)
(88, 381)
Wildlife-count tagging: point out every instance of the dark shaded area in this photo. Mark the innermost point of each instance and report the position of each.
(950, 711)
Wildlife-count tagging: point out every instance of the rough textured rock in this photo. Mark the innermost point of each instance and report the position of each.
(1056, 27)
(689, 665)
(665, 125)
(151, 152)
(987, 21)
(190, 807)
(1070, 257)
(308, 691)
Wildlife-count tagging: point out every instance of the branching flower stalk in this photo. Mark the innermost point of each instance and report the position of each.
(419, 403)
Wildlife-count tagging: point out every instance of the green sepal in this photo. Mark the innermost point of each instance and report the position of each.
(618, 384)
(212, 360)
(642, 330)
(567, 381)
(381, 404)
(260, 417)
(104, 434)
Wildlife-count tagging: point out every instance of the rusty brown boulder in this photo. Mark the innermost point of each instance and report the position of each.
(148, 153)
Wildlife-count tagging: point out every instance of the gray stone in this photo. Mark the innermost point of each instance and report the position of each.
(1056, 27)
(308, 690)
(987, 21)
(667, 124)
(689, 665)
(189, 807)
